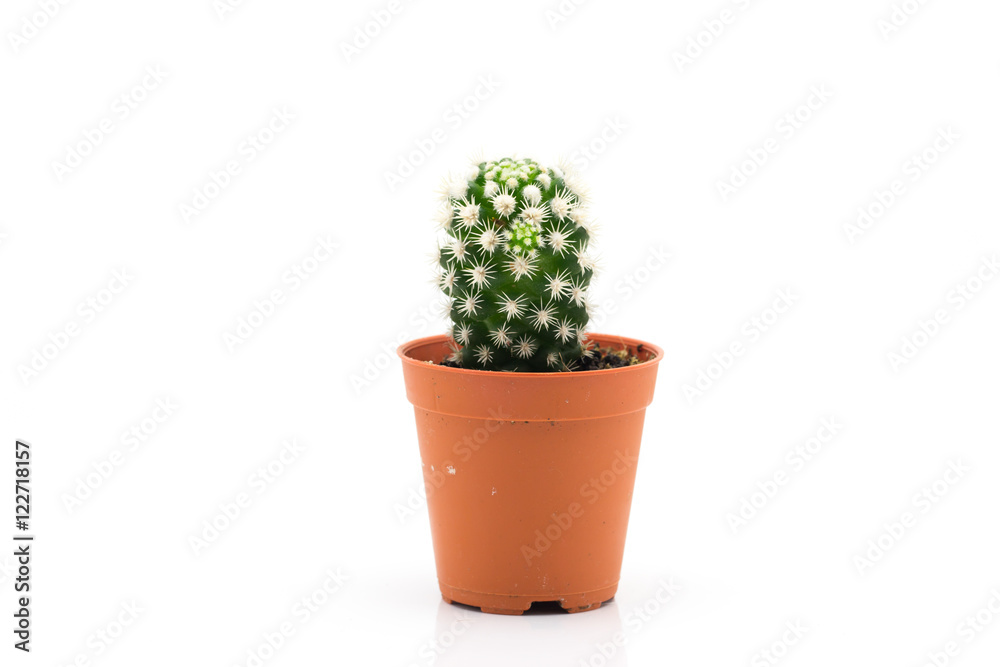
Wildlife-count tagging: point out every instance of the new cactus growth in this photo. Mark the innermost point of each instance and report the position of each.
(516, 267)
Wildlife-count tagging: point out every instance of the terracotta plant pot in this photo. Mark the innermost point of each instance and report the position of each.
(529, 476)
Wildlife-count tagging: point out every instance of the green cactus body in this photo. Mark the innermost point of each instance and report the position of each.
(516, 268)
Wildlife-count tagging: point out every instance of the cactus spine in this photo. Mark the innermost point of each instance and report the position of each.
(516, 267)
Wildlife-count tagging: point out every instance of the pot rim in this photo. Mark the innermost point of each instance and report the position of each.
(655, 351)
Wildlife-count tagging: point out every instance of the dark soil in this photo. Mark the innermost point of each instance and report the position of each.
(600, 359)
(607, 357)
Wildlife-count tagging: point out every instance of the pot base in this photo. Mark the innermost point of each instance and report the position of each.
(515, 605)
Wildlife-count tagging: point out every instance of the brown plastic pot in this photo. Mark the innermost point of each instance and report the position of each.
(529, 476)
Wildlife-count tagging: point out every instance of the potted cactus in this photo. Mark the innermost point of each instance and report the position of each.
(529, 428)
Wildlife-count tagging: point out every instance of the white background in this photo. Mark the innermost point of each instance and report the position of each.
(602, 86)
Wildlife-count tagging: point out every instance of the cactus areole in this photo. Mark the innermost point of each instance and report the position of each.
(516, 267)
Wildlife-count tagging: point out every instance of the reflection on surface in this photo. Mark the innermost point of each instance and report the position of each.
(545, 634)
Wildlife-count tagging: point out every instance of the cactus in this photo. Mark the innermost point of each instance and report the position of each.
(516, 267)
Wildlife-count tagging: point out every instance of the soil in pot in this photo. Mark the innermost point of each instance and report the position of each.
(599, 359)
